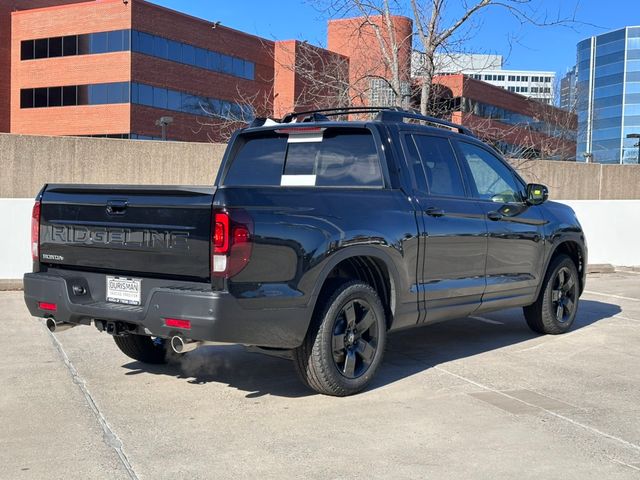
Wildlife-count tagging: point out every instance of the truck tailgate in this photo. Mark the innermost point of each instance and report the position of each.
(156, 230)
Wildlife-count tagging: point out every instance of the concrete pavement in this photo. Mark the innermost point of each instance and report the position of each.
(471, 398)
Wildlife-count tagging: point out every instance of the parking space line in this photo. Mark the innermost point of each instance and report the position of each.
(487, 320)
(622, 317)
(620, 297)
(109, 437)
(626, 464)
(550, 412)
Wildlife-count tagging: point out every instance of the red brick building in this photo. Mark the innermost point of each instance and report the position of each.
(362, 40)
(6, 7)
(513, 123)
(116, 67)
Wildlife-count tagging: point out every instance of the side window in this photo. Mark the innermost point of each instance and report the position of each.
(344, 158)
(440, 166)
(492, 179)
(415, 164)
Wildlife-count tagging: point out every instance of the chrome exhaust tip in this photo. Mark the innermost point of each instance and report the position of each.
(57, 326)
(181, 345)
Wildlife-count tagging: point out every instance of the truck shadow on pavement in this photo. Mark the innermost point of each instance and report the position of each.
(408, 353)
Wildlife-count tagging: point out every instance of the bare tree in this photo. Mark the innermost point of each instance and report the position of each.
(438, 26)
(322, 77)
(435, 33)
(388, 64)
(321, 80)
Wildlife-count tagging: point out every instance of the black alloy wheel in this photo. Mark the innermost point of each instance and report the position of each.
(355, 338)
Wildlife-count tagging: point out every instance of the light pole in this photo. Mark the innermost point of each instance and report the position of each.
(637, 137)
(163, 122)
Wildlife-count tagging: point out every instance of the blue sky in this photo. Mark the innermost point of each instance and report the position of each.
(524, 47)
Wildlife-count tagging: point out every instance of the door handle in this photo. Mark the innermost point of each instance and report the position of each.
(434, 212)
(495, 216)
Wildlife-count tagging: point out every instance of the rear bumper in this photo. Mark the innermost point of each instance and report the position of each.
(214, 316)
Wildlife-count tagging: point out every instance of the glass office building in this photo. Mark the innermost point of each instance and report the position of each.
(608, 97)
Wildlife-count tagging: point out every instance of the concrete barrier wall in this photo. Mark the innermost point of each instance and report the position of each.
(27, 162)
(582, 181)
(612, 228)
(15, 241)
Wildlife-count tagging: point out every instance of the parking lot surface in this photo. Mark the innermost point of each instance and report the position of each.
(481, 397)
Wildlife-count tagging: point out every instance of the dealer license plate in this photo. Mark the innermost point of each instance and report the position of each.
(124, 290)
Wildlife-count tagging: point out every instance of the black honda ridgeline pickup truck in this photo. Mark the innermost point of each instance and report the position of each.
(318, 238)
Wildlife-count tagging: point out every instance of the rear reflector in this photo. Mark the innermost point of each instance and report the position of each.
(49, 307)
(177, 323)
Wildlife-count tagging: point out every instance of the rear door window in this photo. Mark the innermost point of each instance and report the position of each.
(335, 157)
(441, 169)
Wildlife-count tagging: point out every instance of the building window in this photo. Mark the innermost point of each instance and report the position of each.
(70, 45)
(41, 49)
(510, 117)
(55, 47)
(140, 42)
(26, 98)
(166, 99)
(86, 44)
(67, 96)
(120, 136)
(512, 78)
(381, 93)
(187, 54)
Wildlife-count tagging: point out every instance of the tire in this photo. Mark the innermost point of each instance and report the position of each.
(143, 349)
(336, 358)
(555, 309)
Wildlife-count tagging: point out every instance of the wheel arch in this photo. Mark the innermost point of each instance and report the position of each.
(574, 250)
(367, 264)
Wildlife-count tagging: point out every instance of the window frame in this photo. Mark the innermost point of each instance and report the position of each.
(238, 141)
(454, 150)
(473, 192)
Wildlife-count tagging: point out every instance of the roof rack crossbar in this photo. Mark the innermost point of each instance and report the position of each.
(400, 115)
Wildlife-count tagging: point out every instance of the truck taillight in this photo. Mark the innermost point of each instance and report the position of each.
(35, 232)
(231, 242)
(221, 233)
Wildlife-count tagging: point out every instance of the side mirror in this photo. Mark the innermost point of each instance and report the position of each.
(537, 194)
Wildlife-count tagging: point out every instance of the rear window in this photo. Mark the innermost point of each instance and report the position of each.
(335, 158)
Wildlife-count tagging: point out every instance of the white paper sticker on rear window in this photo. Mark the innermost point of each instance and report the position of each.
(298, 181)
(305, 137)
